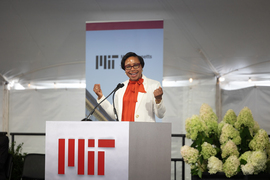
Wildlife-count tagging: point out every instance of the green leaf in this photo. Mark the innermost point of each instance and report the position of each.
(245, 140)
(243, 162)
(201, 159)
(239, 169)
(200, 173)
(194, 171)
(193, 144)
(199, 140)
(209, 140)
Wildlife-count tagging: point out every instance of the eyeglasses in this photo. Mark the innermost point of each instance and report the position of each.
(135, 66)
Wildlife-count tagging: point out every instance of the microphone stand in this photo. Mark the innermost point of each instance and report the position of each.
(115, 109)
(120, 85)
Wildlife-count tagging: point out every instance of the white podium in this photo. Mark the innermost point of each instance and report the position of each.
(108, 151)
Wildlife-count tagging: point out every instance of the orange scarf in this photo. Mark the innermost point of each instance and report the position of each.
(130, 99)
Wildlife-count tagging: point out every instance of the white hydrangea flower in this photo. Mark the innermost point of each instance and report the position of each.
(247, 169)
(189, 154)
(214, 165)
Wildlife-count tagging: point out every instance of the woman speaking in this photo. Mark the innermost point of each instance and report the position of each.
(140, 99)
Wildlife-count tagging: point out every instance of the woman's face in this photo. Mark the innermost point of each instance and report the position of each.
(133, 68)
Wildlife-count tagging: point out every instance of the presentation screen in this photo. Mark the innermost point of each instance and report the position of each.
(108, 42)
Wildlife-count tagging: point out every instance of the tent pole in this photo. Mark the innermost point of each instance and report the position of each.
(218, 101)
(5, 116)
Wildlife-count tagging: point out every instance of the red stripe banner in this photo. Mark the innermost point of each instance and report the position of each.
(61, 156)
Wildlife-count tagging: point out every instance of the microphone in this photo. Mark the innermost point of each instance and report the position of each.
(120, 85)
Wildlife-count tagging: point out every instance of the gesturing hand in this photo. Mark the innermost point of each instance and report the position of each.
(98, 90)
(158, 94)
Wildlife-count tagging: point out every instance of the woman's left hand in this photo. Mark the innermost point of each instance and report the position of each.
(158, 94)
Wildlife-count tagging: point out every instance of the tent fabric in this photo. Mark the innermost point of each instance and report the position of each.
(4, 111)
(185, 101)
(44, 41)
(257, 99)
(30, 109)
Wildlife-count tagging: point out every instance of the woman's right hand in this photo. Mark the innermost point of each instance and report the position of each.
(97, 90)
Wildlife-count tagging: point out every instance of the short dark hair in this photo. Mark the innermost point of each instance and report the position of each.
(131, 54)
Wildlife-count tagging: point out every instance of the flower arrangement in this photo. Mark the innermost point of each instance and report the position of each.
(236, 144)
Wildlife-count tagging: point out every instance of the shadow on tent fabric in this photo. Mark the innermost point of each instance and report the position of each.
(34, 167)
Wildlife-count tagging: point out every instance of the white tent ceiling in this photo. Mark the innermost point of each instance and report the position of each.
(44, 41)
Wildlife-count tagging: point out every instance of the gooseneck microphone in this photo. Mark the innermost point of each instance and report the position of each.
(120, 85)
